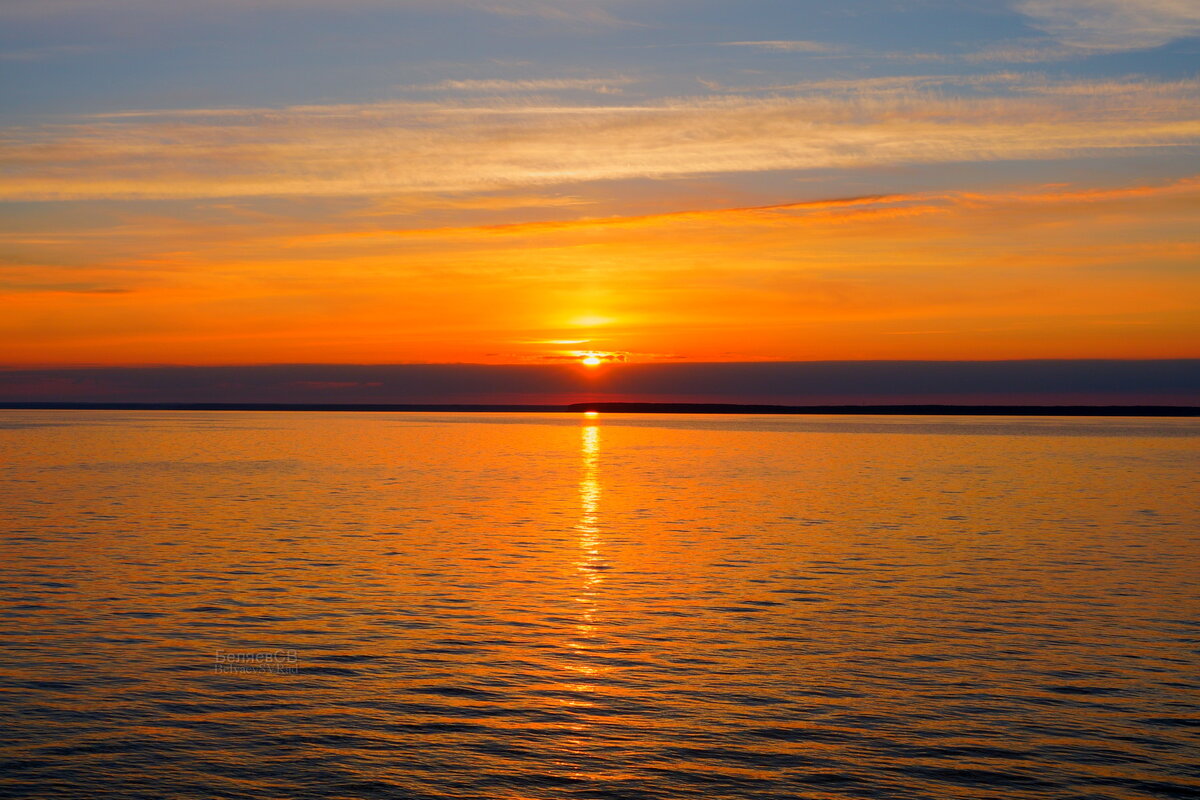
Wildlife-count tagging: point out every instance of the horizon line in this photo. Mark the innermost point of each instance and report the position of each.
(1141, 410)
(31, 366)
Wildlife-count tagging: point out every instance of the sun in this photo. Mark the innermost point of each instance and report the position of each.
(595, 358)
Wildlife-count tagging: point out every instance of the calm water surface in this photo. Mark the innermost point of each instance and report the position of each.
(525, 606)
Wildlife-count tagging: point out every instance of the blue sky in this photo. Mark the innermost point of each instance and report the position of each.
(68, 61)
(76, 56)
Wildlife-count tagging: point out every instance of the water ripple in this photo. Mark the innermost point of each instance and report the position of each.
(356, 606)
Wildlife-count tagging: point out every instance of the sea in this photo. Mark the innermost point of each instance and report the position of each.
(516, 606)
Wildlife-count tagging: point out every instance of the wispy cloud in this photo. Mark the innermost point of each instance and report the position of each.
(35, 286)
(892, 85)
(418, 203)
(403, 148)
(1114, 25)
(867, 209)
(1019, 51)
(564, 11)
(786, 46)
(555, 10)
(599, 85)
(1078, 29)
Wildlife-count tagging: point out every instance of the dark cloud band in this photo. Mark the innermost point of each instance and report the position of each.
(1098, 382)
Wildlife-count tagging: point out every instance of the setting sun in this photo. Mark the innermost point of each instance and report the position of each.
(594, 358)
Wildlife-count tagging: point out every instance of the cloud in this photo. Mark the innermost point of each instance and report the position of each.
(786, 46)
(562, 10)
(599, 85)
(854, 382)
(566, 11)
(1019, 52)
(1114, 25)
(401, 148)
(1014, 51)
(829, 219)
(7, 287)
(835, 207)
(412, 204)
(893, 85)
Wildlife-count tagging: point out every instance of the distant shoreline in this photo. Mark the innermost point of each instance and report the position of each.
(639, 408)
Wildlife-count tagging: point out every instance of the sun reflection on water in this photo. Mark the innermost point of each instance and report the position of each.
(584, 677)
(590, 562)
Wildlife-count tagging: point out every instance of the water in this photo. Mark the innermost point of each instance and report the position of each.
(525, 606)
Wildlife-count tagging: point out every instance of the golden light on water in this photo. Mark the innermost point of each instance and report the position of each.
(589, 517)
(591, 560)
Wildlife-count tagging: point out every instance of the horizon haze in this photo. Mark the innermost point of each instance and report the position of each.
(1076, 382)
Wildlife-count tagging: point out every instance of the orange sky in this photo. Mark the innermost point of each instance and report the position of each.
(1030, 192)
(1028, 272)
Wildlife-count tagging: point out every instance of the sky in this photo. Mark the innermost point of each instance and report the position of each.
(525, 182)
